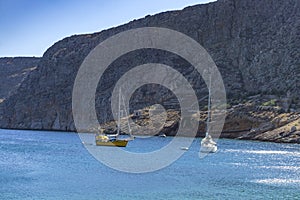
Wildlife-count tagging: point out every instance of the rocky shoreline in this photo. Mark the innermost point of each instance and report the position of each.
(244, 121)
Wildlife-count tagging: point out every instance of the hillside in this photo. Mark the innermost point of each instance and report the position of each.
(254, 43)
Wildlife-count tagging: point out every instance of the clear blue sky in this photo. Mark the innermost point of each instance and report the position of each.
(29, 27)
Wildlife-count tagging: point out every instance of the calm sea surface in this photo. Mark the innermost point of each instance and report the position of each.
(55, 165)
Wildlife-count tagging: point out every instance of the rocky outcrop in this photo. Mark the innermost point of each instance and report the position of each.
(243, 121)
(13, 73)
(255, 44)
(264, 123)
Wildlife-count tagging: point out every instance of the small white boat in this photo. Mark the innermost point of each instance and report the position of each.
(162, 135)
(184, 148)
(207, 143)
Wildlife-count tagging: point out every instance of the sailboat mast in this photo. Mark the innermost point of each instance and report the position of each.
(127, 115)
(208, 109)
(119, 113)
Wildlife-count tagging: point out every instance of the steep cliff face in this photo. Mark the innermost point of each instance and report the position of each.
(255, 44)
(13, 73)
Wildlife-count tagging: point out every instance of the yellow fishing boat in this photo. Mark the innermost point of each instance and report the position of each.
(103, 140)
(113, 139)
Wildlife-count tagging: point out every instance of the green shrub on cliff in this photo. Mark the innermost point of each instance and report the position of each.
(272, 102)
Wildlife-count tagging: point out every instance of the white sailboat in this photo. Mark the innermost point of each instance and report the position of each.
(207, 143)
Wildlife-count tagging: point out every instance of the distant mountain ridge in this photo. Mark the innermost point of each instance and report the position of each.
(254, 43)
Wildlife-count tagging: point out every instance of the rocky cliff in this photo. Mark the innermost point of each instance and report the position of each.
(254, 43)
(13, 73)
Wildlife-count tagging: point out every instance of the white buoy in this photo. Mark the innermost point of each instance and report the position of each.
(184, 148)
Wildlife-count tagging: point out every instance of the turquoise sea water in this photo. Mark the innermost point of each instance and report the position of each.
(55, 165)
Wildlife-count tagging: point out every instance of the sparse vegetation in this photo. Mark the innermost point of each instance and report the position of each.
(272, 102)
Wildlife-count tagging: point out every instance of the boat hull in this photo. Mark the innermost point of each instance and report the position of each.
(116, 143)
(208, 149)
